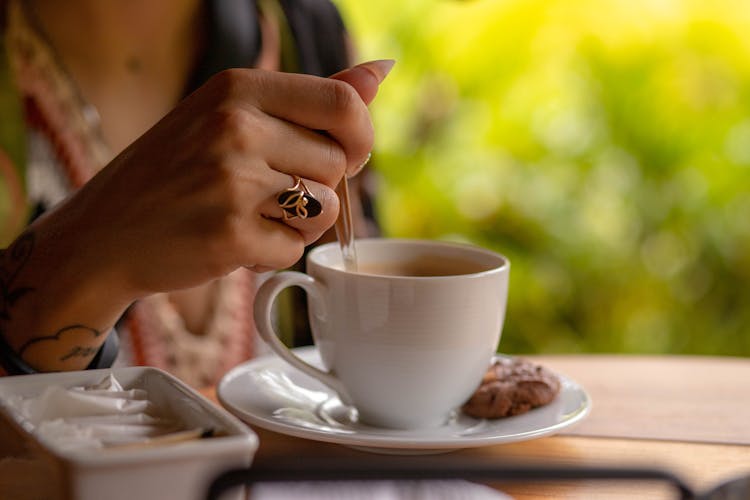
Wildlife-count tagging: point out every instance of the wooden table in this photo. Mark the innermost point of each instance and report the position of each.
(687, 415)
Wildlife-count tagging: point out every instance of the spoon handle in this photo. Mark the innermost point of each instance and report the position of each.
(345, 227)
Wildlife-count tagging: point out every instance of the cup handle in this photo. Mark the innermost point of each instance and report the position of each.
(262, 309)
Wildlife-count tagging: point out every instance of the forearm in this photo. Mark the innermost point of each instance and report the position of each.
(57, 299)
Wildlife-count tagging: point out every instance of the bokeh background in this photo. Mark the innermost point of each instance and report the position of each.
(602, 145)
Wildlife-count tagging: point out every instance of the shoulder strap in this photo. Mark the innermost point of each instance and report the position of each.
(314, 40)
(233, 38)
(320, 36)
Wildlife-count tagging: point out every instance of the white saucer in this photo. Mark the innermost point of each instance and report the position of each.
(269, 393)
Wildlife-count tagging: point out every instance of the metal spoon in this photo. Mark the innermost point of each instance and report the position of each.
(345, 227)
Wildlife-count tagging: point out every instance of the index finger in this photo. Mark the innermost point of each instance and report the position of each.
(323, 104)
(335, 105)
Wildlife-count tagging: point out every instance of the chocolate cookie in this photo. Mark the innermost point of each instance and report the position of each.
(512, 386)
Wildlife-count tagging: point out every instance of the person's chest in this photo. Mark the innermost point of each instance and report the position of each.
(127, 111)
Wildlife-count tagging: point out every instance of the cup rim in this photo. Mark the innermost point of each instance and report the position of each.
(314, 257)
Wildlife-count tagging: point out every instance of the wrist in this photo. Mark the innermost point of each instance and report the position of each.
(12, 363)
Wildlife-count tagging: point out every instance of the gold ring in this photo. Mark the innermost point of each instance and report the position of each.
(297, 201)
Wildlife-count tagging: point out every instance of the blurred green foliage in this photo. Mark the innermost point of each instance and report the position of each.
(602, 145)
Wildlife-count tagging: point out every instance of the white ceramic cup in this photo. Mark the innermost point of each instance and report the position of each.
(405, 351)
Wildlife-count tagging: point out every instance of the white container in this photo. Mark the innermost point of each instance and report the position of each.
(30, 468)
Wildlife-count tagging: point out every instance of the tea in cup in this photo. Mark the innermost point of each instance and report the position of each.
(406, 338)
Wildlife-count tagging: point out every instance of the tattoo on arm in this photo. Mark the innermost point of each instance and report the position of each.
(74, 333)
(12, 262)
(80, 351)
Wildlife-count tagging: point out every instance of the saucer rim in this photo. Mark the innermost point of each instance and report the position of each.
(382, 442)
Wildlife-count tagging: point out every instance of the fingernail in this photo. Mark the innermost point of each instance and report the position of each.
(379, 68)
(351, 173)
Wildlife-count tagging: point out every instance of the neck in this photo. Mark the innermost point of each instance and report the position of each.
(104, 36)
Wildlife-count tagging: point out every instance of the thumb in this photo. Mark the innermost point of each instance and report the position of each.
(366, 77)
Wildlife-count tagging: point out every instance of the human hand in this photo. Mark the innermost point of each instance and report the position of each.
(195, 197)
(191, 200)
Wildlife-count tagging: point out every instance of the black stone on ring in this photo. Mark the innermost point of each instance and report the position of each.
(297, 201)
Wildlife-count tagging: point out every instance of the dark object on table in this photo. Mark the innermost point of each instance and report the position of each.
(440, 468)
